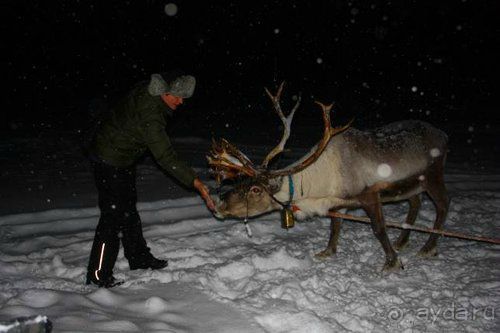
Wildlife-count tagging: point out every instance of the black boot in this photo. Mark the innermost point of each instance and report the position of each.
(146, 261)
(103, 281)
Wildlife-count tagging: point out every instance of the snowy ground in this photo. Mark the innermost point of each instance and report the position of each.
(220, 280)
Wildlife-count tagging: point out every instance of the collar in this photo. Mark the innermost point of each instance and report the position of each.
(291, 191)
(168, 111)
(160, 104)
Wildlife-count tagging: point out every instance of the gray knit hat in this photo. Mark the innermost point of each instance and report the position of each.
(182, 86)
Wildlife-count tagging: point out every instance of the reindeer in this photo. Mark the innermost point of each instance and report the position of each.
(354, 169)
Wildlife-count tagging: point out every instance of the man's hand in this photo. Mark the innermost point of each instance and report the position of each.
(204, 193)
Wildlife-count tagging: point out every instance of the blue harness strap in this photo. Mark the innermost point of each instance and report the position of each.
(291, 190)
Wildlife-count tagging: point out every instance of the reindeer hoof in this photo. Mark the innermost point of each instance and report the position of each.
(392, 266)
(400, 245)
(326, 253)
(427, 253)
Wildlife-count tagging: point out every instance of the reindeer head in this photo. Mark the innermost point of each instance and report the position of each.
(248, 197)
(254, 187)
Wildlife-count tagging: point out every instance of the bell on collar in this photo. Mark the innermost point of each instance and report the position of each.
(287, 219)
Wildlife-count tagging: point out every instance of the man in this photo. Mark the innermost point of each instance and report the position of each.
(134, 125)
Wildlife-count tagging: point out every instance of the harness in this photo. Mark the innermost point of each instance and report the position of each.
(287, 219)
(291, 192)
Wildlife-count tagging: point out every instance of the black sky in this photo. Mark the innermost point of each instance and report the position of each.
(378, 60)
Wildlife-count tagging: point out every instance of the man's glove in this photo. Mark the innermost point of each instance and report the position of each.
(204, 193)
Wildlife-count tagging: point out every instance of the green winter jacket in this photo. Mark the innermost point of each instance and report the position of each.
(136, 124)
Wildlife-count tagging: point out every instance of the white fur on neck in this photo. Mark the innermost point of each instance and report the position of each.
(315, 194)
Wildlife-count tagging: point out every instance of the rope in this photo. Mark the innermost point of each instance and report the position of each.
(247, 227)
(416, 228)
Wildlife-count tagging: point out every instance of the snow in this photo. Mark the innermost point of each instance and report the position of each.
(29, 321)
(221, 280)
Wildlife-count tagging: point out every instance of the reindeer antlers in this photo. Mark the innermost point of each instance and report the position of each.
(309, 159)
(227, 162)
(287, 122)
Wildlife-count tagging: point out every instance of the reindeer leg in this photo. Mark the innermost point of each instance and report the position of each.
(404, 237)
(331, 248)
(434, 185)
(370, 202)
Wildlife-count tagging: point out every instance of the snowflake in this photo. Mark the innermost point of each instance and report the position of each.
(435, 152)
(171, 9)
(384, 170)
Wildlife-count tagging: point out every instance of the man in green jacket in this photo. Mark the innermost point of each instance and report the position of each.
(133, 126)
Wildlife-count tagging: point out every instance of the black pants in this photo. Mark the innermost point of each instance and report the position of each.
(119, 216)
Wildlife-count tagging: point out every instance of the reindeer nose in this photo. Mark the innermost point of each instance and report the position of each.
(219, 207)
(218, 215)
(219, 212)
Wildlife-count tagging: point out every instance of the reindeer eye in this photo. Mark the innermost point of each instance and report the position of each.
(256, 190)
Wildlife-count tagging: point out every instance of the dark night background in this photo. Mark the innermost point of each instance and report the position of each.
(378, 60)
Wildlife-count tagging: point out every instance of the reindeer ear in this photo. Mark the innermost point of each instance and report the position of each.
(275, 184)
